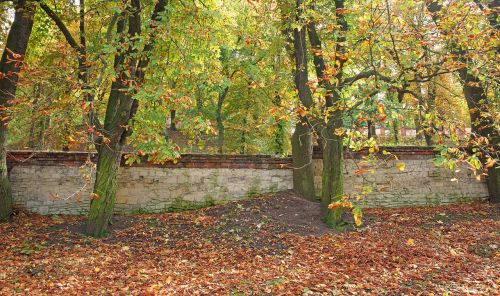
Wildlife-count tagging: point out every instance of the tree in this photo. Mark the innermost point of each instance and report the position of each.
(302, 138)
(331, 133)
(482, 123)
(131, 65)
(10, 67)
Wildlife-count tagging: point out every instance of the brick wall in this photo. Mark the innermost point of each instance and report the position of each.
(54, 182)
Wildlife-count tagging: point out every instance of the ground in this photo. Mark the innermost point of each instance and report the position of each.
(270, 245)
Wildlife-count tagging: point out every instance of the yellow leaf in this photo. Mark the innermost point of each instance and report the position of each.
(401, 166)
(70, 139)
(339, 131)
(357, 220)
(381, 108)
(410, 242)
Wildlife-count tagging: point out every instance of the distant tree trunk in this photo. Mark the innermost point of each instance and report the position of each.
(417, 120)
(220, 120)
(302, 144)
(10, 66)
(243, 139)
(429, 108)
(279, 134)
(395, 132)
(120, 109)
(372, 131)
(172, 120)
(32, 141)
(419, 129)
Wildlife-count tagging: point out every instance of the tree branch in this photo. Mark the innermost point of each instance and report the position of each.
(62, 27)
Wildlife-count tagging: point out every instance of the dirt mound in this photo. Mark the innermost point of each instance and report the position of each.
(277, 213)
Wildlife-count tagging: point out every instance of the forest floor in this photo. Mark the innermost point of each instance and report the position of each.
(269, 245)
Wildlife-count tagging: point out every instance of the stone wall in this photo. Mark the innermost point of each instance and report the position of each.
(54, 182)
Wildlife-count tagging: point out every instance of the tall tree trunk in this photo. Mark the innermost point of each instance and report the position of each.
(477, 101)
(103, 199)
(333, 174)
(482, 126)
(332, 185)
(120, 109)
(493, 178)
(10, 66)
(118, 113)
(302, 143)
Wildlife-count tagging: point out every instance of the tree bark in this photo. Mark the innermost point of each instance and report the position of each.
(302, 144)
(333, 175)
(120, 109)
(332, 188)
(10, 66)
(172, 120)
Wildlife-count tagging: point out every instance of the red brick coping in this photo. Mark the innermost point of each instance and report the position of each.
(77, 158)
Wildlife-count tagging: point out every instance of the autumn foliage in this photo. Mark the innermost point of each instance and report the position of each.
(244, 249)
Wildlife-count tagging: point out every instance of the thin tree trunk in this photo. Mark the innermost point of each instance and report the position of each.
(10, 66)
(419, 129)
(395, 131)
(429, 108)
(279, 134)
(372, 132)
(220, 121)
(172, 121)
(302, 144)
